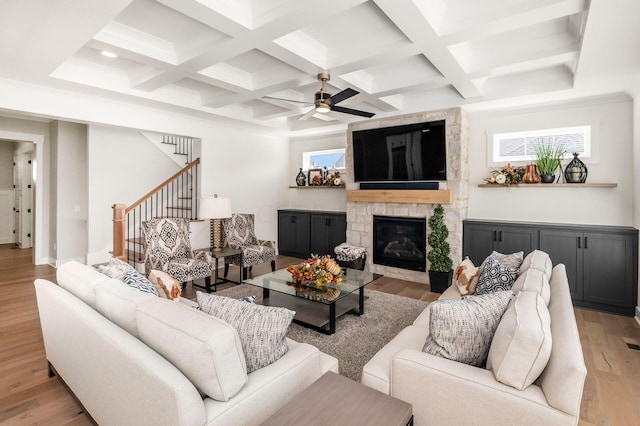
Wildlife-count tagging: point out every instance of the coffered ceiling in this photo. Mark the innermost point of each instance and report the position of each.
(219, 59)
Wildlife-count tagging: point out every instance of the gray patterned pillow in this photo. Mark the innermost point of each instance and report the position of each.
(115, 269)
(262, 329)
(513, 260)
(495, 277)
(138, 281)
(462, 330)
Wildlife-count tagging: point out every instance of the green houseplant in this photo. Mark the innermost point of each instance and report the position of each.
(547, 159)
(440, 264)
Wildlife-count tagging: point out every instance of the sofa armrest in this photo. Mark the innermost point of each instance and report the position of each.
(448, 392)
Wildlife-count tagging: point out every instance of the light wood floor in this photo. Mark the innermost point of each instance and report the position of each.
(29, 397)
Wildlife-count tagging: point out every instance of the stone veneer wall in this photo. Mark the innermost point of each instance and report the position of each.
(360, 214)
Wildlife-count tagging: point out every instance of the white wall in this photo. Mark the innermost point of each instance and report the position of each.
(611, 120)
(71, 210)
(636, 169)
(315, 199)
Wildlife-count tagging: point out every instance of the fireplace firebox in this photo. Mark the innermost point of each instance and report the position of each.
(400, 242)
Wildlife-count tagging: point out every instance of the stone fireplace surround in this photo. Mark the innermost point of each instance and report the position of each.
(360, 214)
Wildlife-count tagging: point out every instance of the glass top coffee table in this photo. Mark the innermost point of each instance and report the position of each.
(316, 307)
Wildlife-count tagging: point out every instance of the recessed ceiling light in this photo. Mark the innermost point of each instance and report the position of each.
(109, 54)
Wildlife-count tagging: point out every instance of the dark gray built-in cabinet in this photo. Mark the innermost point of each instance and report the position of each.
(601, 261)
(305, 232)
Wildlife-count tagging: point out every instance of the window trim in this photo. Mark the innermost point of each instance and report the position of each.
(307, 155)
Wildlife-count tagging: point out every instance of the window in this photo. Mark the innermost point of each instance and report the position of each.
(330, 158)
(521, 146)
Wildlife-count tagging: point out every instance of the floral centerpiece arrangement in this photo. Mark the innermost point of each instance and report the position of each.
(333, 179)
(317, 270)
(508, 175)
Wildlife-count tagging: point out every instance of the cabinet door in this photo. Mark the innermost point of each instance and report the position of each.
(608, 269)
(327, 231)
(511, 239)
(293, 234)
(478, 241)
(565, 247)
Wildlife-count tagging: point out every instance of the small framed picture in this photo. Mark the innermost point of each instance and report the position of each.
(315, 177)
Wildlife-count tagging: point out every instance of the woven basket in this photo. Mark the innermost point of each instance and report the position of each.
(353, 264)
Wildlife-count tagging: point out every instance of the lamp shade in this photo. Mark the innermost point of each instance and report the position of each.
(214, 208)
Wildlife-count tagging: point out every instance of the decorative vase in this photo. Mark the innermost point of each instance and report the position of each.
(439, 281)
(575, 171)
(531, 174)
(301, 178)
(547, 178)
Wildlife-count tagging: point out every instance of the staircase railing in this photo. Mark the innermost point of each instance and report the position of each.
(175, 197)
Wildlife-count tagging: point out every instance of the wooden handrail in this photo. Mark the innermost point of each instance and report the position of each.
(163, 184)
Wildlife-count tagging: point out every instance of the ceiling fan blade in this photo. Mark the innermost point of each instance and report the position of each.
(345, 94)
(352, 111)
(287, 100)
(307, 114)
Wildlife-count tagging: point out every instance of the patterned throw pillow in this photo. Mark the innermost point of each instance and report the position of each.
(262, 329)
(138, 281)
(466, 276)
(513, 260)
(115, 269)
(495, 277)
(462, 330)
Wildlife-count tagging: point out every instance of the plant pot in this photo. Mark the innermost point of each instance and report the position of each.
(439, 281)
(547, 178)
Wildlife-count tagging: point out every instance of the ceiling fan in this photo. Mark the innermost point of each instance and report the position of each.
(325, 102)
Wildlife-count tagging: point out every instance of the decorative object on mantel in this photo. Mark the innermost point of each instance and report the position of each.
(301, 178)
(315, 177)
(547, 158)
(508, 175)
(575, 171)
(440, 264)
(531, 174)
(333, 179)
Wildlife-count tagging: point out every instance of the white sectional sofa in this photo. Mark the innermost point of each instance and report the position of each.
(132, 358)
(445, 392)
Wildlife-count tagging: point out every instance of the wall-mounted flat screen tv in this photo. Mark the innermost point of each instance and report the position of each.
(413, 152)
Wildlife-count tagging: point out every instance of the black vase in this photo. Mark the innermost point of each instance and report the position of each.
(547, 178)
(576, 170)
(439, 281)
(301, 178)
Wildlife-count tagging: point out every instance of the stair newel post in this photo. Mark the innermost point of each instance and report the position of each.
(119, 231)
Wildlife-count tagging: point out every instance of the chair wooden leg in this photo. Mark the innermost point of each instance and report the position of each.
(244, 274)
(184, 285)
(273, 266)
(207, 284)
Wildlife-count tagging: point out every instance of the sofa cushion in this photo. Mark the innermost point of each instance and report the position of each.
(80, 280)
(461, 330)
(262, 329)
(533, 280)
(465, 276)
(495, 276)
(118, 302)
(539, 260)
(206, 349)
(521, 345)
(513, 260)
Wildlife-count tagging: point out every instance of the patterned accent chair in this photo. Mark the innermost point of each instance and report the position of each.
(239, 232)
(167, 248)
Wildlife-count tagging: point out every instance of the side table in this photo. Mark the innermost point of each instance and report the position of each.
(336, 400)
(223, 252)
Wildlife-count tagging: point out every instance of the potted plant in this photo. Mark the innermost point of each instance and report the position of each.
(547, 159)
(440, 264)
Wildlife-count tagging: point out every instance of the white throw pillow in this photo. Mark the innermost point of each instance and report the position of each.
(262, 329)
(466, 276)
(533, 280)
(461, 330)
(166, 285)
(521, 345)
(539, 260)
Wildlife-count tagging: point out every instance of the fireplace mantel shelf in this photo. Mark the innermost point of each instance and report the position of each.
(427, 196)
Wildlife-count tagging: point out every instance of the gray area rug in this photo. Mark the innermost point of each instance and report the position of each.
(357, 338)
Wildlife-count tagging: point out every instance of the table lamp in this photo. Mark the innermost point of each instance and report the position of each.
(215, 208)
